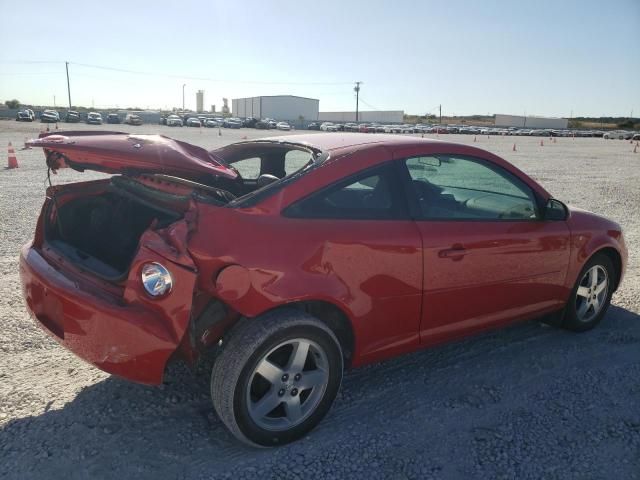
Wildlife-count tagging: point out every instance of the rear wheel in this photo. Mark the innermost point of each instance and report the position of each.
(276, 377)
(591, 295)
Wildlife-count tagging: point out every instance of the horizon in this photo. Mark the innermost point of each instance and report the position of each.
(569, 60)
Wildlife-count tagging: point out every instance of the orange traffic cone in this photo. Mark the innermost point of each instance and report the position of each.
(514, 147)
(542, 143)
(12, 161)
(47, 128)
(475, 139)
(56, 125)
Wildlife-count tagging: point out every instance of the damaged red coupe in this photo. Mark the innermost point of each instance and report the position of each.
(295, 257)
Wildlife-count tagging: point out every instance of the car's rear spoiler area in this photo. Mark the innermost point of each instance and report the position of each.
(120, 152)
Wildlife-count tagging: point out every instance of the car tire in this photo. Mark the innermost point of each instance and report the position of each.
(276, 409)
(588, 303)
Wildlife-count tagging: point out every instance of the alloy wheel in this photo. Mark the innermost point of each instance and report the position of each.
(592, 293)
(287, 384)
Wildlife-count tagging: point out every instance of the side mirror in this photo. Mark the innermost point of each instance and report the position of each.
(555, 210)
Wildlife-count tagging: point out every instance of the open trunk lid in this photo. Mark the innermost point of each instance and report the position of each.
(129, 154)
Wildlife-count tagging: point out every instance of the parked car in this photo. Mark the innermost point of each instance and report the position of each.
(618, 135)
(94, 118)
(212, 123)
(133, 119)
(72, 117)
(328, 127)
(636, 137)
(113, 118)
(23, 116)
(232, 123)
(263, 124)
(193, 122)
(249, 122)
(313, 126)
(173, 121)
(321, 289)
(49, 116)
(350, 127)
(283, 126)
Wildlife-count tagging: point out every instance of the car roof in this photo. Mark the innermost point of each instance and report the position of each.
(327, 142)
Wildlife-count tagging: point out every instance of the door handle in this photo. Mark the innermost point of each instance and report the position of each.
(455, 253)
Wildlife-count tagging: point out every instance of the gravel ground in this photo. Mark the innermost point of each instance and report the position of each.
(529, 401)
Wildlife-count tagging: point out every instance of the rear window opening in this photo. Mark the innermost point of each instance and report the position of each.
(262, 163)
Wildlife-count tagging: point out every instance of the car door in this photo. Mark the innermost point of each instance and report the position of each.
(356, 239)
(488, 256)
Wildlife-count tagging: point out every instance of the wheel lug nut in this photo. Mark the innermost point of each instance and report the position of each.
(297, 377)
(285, 377)
(294, 392)
(281, 392)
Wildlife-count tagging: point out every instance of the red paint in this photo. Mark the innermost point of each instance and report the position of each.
(115, 152)
(402, 284)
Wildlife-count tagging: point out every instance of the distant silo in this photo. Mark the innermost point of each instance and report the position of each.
(200, 101)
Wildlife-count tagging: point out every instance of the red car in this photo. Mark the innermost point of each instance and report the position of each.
(296, 257)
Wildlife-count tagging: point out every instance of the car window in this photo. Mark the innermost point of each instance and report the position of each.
(371, 195)
(249, 168)
(294, 160)
(453, 188)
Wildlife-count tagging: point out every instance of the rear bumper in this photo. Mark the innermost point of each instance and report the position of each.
(122, 336)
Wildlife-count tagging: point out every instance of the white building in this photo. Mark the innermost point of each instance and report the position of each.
(530, 121)
(388, 116)
(277, 107)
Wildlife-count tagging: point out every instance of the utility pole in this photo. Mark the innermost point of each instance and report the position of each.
(68, 87)
(440, 114)
(357, 90)
(183, 85)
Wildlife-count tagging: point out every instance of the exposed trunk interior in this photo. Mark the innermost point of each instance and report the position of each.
(101, 232)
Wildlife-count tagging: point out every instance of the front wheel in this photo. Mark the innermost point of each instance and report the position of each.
(276, 377)
(591, 294)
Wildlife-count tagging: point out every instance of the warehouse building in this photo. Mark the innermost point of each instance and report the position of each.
(278, 107)
(530, 121)
(380, 116)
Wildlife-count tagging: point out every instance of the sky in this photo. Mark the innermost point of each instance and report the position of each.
(544, 57)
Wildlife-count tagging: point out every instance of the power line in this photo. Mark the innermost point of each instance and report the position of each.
(207, 79)
(369, 105)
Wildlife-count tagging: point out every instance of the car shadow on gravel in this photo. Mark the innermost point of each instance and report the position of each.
(116, 429)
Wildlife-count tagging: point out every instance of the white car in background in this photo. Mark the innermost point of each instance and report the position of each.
(94, 118)
(283, 126)
(174, 121)
(193, 122)
(49, 116)
(328, 127)
(618, 135)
